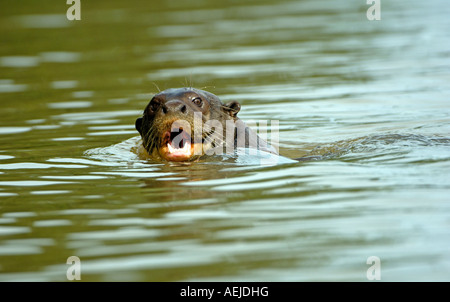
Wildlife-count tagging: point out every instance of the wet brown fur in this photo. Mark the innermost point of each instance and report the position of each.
(160, 113)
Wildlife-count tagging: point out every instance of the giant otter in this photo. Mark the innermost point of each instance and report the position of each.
(184, 124)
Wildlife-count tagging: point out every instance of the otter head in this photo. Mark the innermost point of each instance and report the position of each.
(167, 126)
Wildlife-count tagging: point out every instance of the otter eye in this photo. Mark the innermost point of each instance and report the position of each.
(154, 106)
(197, 101)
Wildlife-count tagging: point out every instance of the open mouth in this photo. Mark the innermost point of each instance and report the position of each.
(177, 145)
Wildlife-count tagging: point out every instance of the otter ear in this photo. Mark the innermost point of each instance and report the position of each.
(232, 108)
(138, 125)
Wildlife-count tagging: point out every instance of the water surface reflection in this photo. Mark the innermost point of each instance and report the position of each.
(367, 101)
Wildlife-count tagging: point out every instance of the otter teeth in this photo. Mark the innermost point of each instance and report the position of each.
(186, 150)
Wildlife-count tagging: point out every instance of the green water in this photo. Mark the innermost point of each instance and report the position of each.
(368, 99)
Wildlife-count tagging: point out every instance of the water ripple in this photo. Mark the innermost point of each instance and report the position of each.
(25, 165)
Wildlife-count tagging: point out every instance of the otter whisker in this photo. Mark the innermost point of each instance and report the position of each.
(150, 139)
(157, 87)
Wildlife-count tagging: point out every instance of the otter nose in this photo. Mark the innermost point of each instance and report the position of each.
(175, 106)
